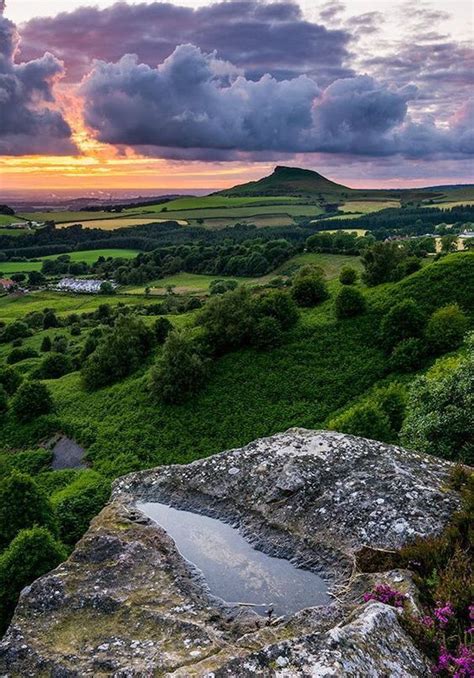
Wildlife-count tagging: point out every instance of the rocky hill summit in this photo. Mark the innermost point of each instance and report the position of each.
(126, 603)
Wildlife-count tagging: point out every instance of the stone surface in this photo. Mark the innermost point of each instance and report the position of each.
(127, 604)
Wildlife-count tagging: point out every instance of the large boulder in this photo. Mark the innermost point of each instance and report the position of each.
(127, 604)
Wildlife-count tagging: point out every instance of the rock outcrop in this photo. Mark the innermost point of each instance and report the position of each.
(127, 604)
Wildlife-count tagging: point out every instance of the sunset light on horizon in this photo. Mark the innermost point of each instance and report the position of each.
(416, 137)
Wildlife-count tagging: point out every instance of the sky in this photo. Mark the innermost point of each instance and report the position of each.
(196, 94)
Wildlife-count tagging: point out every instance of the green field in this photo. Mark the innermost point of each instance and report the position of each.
(13, 231)
(6, 219)
(118, 222)
(213, 202)
(368, 206)
(13, 307)
(89, 256)
(60, 216)
(448, 204)
(330, 263)
(359, 231)
(194, 283)
(217, 211)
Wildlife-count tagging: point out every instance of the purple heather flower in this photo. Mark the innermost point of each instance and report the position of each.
(385, 594)
(443, 613)
(464, 662)
(427, 621)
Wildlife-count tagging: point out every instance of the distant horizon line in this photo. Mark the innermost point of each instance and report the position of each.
(202, 190)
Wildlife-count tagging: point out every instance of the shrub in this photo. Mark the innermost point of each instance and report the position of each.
(53, 366)
(439, 413)
(348, 275)
(279, 305)
(442, 566)
(267, 333)
(379, 416)
(349, 302)
(162, 328)
(31, 554)
(50, 319)
(381, 261)
(446, 328)
(392, 399)
(367, 420)
(22, 505)
(19, 354)
(228, 320)
(60, 343)
(408, 355)
(407, 267)
(31, 400)
(119, 353)
(76, 504)
(309, 288)
(3, 400)
(45, 345)
(75, 330)
(180, 371)
(16, 330)
(10, 379)
(222, 286)
(403, 321)
(27, 461)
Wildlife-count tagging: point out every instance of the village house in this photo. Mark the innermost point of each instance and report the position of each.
(6, 284)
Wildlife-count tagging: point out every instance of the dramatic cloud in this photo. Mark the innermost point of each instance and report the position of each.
(258, 37)
(197, 101)
(27, 124)
(441, 70)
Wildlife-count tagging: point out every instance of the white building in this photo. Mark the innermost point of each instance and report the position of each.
(81, 285)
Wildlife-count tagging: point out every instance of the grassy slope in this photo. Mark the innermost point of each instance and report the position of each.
(199, 284)
(12, 308)
(323, 365)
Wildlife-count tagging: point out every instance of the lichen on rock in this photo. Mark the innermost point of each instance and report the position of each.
(127, 604)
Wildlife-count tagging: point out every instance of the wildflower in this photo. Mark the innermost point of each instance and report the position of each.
(464, 662)
(443, 613)
(444, 661)
(427, 621)
(471, 618)
(385, 594)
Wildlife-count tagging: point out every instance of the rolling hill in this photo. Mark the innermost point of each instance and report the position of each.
(289, 181)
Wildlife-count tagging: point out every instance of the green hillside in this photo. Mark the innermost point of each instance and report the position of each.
(289, 181)
(321, 367)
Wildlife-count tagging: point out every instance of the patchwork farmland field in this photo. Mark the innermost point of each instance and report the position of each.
(14, 306)
(6, 219)
(368, 206)
(113, 223)
(211, 211)
(89, 256)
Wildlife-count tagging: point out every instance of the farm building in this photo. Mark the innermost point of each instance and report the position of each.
(81, 285)
(6, 284)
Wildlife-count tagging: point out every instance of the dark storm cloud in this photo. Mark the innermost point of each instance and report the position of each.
(27, 125)
(199, 106)
(257, 36)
